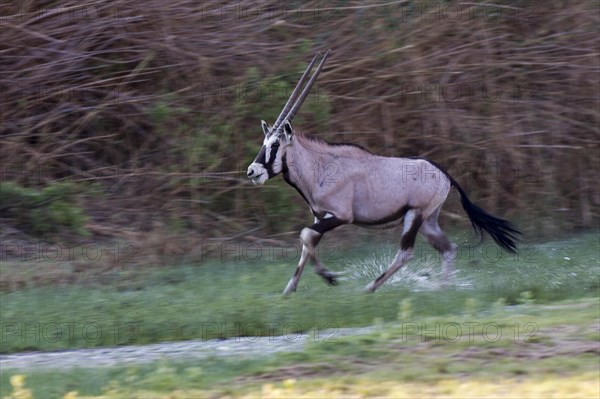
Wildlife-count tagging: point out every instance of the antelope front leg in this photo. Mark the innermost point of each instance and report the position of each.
(293, 283)
(310, 237)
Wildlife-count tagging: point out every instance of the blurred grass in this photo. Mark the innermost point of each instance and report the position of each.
(229, 298)
(560, 363)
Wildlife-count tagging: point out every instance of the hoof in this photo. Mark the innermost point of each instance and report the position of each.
(291, 287)
(370, 288)
(330, 278)
(447, 283)
(448, 280)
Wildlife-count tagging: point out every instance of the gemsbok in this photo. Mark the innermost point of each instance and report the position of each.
(347, 184)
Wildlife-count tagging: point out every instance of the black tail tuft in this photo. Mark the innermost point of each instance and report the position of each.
(502, 231)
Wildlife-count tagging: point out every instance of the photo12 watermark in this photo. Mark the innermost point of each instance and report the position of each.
(84, 251)
(254, 253)
(268, 13)
(436, 10)
(42, 93)
(270, 332)
(35, 173)
(435, 92)
(487, 252)
(267, 92)
(468, 331)
(26, 12)
(89, 332)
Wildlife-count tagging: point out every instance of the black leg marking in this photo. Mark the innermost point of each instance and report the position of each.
(320, 227)
(412, 224)
(408, 239)
(438, 239)
(440, 243)
(310, 237)
(329, 277)
(324, 225)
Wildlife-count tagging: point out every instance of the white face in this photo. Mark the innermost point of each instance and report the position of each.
(268, 162)
(257, 173)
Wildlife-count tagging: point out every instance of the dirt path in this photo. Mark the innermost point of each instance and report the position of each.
(556, 341)
(185, 350)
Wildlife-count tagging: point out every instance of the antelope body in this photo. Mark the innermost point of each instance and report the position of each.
(346, 184)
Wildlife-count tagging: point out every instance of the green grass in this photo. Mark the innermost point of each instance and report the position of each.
(379, 363)
(223, 299)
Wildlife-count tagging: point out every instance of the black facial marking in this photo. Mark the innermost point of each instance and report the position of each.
(269, 165)
(261, 158)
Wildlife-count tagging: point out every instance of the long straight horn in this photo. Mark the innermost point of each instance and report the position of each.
(306, 90)
(290, 100)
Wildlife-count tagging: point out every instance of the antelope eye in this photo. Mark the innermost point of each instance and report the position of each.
(275, 144)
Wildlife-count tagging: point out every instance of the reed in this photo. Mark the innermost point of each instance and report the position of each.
(157, 104)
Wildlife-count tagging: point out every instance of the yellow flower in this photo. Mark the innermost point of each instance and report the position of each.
(267, 389)
(17, 380)
(18, 383)
(289, 383)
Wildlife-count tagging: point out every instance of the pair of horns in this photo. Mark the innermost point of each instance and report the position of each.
(289, 110)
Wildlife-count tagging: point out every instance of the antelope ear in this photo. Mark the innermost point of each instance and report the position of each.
(287, 130)
(265, 127)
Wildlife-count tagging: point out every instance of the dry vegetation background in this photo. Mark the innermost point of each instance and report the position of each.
(136, 120)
